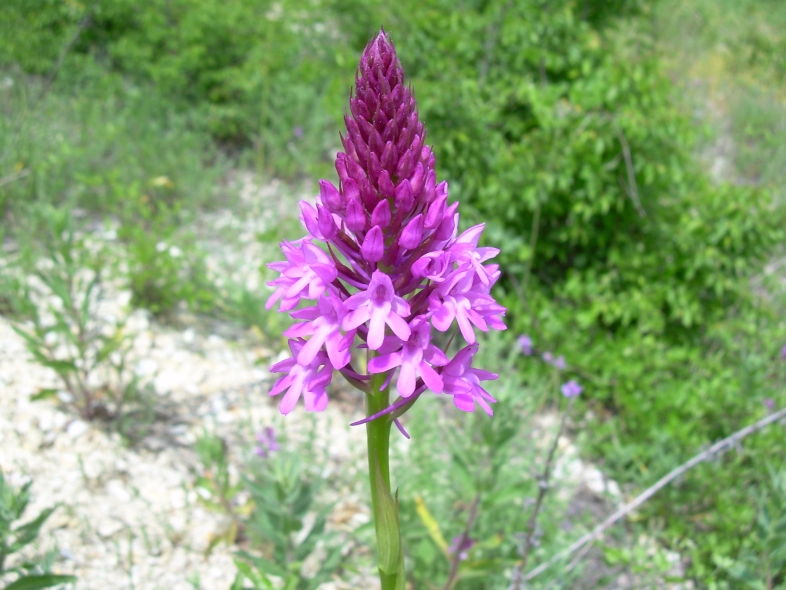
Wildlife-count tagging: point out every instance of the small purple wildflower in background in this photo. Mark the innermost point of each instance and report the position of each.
(548, 358)
(559, 363)
(783, 352)
(382, 262)
(267, 443)
(298, 132)
(461, 545)
(525, 343)
(769, 403)
(571, 389)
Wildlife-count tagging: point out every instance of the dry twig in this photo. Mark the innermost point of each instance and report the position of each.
(715, 450)
(473, 513)
(543, 487)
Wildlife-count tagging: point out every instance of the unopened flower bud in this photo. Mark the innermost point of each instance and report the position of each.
(412, 234)
(330, 196)
(373, 245)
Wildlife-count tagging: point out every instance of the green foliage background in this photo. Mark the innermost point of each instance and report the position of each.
(564, 125)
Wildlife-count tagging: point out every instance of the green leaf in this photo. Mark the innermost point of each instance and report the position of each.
(259, 579)
(432, 526)
(43, 394)
(60, 366)
(27, 533)
(42, 581)
(388, 534)
(263, 565)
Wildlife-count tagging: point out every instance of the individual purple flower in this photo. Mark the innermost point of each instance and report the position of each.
(559, 363)
(324, 329)
(463, 382)
(571, 389)
(378, 305)
(267, 443)
(458, 299)
(525, 344)
(466, 251)
(306, 273)
(548, 358)
(307, 380)
(783, 352)
(382, 262)
(769, 403)
(414, 357)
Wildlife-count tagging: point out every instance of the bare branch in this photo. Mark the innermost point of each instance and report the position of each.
(454, 564)
(543, 488)
(715, 450)
(632, 188)
(15, 176)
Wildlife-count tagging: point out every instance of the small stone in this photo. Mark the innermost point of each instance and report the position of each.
(77, 428)
(146, 367)
(117, 489)
(189, 335)
(109, 528)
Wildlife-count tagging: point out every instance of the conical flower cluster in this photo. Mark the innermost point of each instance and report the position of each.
(383, 263)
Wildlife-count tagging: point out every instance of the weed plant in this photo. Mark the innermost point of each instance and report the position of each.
(267, 510)
(68, 331)
(18, 573)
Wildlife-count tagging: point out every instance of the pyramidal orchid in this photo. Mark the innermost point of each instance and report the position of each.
(381, 271)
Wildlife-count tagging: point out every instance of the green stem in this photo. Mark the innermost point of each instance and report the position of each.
(378, 435)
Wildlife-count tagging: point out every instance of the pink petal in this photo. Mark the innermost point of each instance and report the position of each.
(289, 401)
(399, 326)
(354, 318)
(283, 366)
(406, 380)
(281, 385)
(376, 328)
(443, 317)
(312, 346)
(384, 363)
(430, 377)
(464, 402)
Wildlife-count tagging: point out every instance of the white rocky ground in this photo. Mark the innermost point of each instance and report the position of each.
(129, 516)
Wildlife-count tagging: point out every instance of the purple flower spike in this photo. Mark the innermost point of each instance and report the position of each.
(382, 262)
(571, 389)
(267, 443)
(525, 343)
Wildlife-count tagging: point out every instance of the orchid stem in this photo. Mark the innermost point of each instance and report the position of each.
(378, 437)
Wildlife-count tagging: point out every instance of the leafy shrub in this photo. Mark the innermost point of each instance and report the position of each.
(164, 268)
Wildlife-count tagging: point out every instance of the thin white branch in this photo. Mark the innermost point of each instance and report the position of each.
(716, 449)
